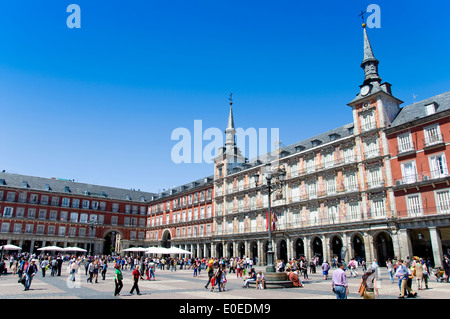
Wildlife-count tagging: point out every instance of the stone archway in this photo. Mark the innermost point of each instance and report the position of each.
(112, 241)
(219, 250)
(299, 248)
(317, 248)
(335, 247)
(359, 250)
(384, 248)
(166, 239)
(282, 250)
(241, 249)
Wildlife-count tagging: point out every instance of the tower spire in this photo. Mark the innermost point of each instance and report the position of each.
(230, 124)
(230, 132)
(369, 63)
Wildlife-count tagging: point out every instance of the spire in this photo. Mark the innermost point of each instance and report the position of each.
(369, 63)
(230, 141)
(230, 124)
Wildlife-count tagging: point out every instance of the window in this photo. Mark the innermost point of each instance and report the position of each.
(55, 201)
(126, 221)
(42, 214)
(405, 142)
(208, 211)
(377, 208)
(72, 231)
(350, 182)
(101, 219)
(17, 228)
(127, 209)
(103, 206)
(95, 205)
(414, 205)
(65, 202)
(371, 148)
(31, 213)
(74, 217)
(353, 211)
(51, 230)
(20, 212)
(142, 222)
(368, 121)
(333, 214)
(134, 209)
(8, 212)
(22, 197)
(313, 217)
(93, 218)
(443, 201)
(430, 108)
(29, 228)
(409, 172)
(40, 229)
(62, 231)
(82, 232)
(85, 204)
(310, 165)
(114, 220)
(75, 203)
(374, 177)
(330, 184)
(63, 216)
(53, 215)
(328, 160)
(293, 169)
(115, 207)
(44, 199)
(5, 227)
(11, 196)
(142, 210)
(312, 189)
(432, 135)
(438, 166)
(83, 218)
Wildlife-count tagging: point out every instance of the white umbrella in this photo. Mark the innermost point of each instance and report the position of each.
(10, 247)
(74, 249)
(132, 249)
(51, 248)
(156, 250)
(175, 250)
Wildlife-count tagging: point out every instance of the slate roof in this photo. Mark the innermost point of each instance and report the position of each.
(417, 110)
(73, 188)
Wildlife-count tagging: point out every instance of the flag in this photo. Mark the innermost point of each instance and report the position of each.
(273, 221)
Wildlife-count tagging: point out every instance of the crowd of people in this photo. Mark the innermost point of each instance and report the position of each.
(405, 271)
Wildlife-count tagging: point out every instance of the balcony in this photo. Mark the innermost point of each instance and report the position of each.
(432, 141)
(406, 149)
(422, 178)
(368, 126)
(375, 184)
(372, 154)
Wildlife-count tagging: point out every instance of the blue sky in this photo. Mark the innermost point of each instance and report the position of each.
(98, 104)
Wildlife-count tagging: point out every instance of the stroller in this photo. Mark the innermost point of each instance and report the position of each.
(439, 273)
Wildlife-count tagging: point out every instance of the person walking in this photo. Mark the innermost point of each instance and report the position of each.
(73, 270)
(118, 280)
(104, 269)
(210, 274)
(339, 282)
(136, 275)
(151, 269)
(91, 272)
(418, 273)
(368, 285)
(390, 270)
(44, 266)
(30, 271)
(325, 269)
(403, 274)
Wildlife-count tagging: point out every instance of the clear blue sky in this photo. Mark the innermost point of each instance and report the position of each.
(99, 104)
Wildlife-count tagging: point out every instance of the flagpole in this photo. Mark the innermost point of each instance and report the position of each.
(270, 266)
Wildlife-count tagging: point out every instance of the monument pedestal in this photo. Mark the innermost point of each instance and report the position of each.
(275, 280)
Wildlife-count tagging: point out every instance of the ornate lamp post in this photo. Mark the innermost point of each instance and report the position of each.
(270, 188)
(92, 226)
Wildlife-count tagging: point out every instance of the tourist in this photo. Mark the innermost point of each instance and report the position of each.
(368, 286)
(90, 269)
(151, 269)
(418, 273)
(224, 278)
(425, 273)
(403, 273)
(339, 282)
(390, 270)
(210, 271)
(295, 279)
(136, 275)
(104, 269)
(44, 266)
(251, 277)
(118, 280)
(325, 269)
(30, 271)
(260, 280)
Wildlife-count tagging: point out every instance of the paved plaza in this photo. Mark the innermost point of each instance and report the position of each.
(181, 284)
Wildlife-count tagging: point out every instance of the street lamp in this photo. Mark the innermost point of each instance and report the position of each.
(92, 226)
(271, 188)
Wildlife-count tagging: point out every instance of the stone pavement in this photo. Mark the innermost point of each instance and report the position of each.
(181, 284)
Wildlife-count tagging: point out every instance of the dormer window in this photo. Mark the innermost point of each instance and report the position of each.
(316, 143)
(430, 108)
(334, 136)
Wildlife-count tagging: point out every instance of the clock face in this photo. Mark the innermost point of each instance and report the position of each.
(365, 90)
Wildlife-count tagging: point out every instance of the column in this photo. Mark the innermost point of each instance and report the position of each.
(436, 246)
(405, 243)
(368, 246)
(307, 245)
(290, 250)
(326, 248)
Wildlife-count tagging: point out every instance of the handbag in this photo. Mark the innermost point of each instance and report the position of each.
(362, 289)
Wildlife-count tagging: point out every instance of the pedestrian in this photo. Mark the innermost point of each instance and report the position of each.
(30, 271)
(390, 270)
(403, 273)
(304, 269)
(425, 273)
(136, 275)
(218, 277)
(118, 280)
(91, 272)
(224, 278)
(210, 271)
(195, 267)
(376, 267)
(446, 266)
(104, 269)
(418, 273)
(339, 282)
(44, 266)
(59, 262)
(368, 285)
(151, 269)
(54, 267)
(325, 269)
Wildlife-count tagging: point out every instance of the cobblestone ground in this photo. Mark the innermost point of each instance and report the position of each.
(181, 284)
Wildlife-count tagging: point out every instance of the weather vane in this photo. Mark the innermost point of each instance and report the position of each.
(231, 98)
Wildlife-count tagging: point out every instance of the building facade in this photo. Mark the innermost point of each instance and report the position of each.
(37, 212)
(375, 188)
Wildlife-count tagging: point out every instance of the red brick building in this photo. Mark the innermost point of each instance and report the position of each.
(37, 212)
(419, 146)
